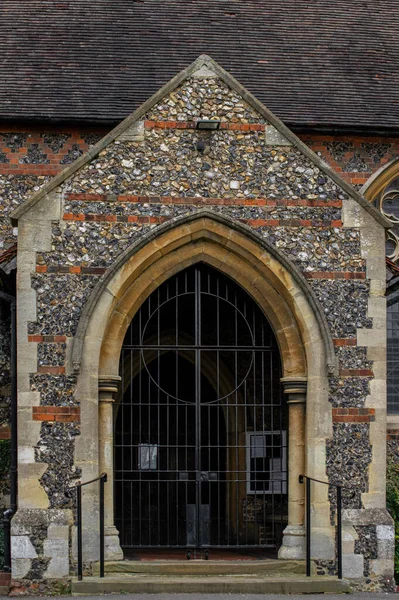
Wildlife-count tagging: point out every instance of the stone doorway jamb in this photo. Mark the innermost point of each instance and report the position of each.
(107, 389)
(293, 546)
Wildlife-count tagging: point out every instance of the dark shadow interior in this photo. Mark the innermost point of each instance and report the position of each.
(200, 430)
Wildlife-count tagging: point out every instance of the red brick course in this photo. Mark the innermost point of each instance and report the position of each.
(356, 373)
(335, 275)
(132, 198)
(68, 269)
(33, 169)
(353, 415)
(291, 223)
(344, 342)
(47, 338)
(51, 370)
(193, 125)
(162, 219)
(307, 274)
(59, 414)
(41, 269)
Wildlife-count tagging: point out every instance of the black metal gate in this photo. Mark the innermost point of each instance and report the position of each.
(200, 429)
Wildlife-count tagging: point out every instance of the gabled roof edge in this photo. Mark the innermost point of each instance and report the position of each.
(109, 137)
(202, 60)
(292, 137)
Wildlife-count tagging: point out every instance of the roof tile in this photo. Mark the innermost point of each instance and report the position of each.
(325, 62)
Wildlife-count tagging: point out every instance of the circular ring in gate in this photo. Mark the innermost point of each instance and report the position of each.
(240, 331)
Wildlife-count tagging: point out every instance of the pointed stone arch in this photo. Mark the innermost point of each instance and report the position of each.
(300, 327)
(381, 190)
(376, 184)
(272, 279)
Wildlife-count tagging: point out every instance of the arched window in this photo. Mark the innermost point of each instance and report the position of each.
(383, 190)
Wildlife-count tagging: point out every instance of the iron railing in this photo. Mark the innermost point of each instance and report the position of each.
(308, 522)
(102, 479)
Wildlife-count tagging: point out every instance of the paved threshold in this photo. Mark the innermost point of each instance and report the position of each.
(357, 596)
(230, 584)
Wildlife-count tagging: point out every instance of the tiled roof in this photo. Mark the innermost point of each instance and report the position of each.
(324, 62)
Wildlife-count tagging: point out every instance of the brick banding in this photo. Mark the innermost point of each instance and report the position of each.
(335, 275)
(51, 370)
(338, 342)
(60, 414)
(69, 269)
(91, 197)
(356, 373)
(151, 219)
(192, 125)
(47, 338)
(200, 200)
(353, 415)
(34, 169)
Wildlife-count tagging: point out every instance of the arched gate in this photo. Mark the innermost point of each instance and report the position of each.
(200, 426)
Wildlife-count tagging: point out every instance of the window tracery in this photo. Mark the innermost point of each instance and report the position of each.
(383, 191)
(387, 203)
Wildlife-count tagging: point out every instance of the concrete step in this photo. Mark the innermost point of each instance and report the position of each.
(204, 567)
(147, 583)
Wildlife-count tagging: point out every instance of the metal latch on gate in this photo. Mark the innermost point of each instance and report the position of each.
(207, 476)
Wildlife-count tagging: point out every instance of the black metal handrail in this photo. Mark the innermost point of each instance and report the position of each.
(102, 479)
(339, 488)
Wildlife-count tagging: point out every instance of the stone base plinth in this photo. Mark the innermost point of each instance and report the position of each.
(113, 549)
(293, 546)
(40, 543)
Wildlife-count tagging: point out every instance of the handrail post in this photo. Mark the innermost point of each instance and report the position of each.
(339, 530)
(79, 524)
(339, 522)
(103, 479)
(308, 528)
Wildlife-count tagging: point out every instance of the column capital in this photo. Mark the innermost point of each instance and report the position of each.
(108, 386)
(295, 388)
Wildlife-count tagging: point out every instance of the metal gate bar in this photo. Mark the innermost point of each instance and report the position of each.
(200, 428)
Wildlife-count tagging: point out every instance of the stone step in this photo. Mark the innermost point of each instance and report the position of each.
(204, 567)
(147, 583)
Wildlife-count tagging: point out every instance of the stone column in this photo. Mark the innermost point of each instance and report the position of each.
(293, 546)
(107, 388)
